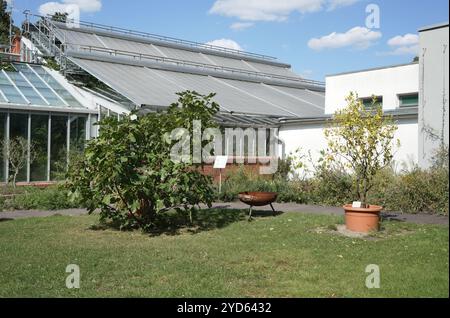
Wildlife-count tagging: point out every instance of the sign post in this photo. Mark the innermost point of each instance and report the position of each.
(220, 163)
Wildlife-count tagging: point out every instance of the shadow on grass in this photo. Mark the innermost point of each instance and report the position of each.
(391, 217)
(5, 220)
(205, 220)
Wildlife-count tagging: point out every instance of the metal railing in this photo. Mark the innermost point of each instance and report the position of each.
(146, 35)
(45, 36)
(173, 40)
(159, 59)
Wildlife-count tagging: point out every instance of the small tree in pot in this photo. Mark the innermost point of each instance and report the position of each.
(362, 138)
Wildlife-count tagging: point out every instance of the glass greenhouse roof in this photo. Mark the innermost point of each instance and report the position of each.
(32, 85)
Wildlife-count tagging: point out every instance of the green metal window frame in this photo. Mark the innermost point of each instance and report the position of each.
(409, 100)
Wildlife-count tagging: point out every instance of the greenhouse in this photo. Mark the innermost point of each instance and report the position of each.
(38, 107)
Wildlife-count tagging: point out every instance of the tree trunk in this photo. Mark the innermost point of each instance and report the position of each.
(14, 180)
(364, 195)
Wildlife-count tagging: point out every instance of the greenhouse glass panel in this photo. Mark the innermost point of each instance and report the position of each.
(2, 140)
(11, 93)
(43, 89)
(77, 134)
(61, 91)
(19, 129)
(58, 153)
(26, 89)
(39, 139)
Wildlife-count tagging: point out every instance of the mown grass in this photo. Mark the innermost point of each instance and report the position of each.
(283, 256)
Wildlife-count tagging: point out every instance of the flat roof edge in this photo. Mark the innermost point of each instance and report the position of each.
(396, 113)
(433, 27)
(373, 69)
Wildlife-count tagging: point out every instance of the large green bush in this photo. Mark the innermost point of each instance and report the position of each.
(128, 172)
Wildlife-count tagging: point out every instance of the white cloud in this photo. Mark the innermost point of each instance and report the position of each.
(407, 44)
(226, 43)
(264, 10)
(403, 50)
(272, 10)
(358, 37)
(50, 8)
(334, 4)
(88, 6)
(405, 40)
(306, 73)
(239, 26)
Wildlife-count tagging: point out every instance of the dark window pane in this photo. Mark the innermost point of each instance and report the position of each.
(409, 100)
(368, 102)
(2, 140)
(39, 138)
(77, 133)
(58, 157)
(19, 128)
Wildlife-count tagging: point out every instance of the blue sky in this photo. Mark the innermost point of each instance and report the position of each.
(317, 37)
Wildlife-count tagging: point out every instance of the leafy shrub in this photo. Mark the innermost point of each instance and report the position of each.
(331, 187)
(243, 180)
(129, 174)
(31, 198)
(414, 191)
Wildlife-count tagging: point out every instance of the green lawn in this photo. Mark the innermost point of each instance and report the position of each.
(283, 256)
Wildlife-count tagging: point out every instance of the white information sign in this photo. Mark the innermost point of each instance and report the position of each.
(221, 162)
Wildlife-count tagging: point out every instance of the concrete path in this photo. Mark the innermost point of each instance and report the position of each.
(314, 209)
(282, 207)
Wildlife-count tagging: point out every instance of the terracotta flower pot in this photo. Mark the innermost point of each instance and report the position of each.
(362, 220)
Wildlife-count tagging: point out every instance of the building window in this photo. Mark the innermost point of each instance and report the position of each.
(77, 134)
(39, 138)
(409, 100)
(58, 146)
(2, 141)
(368, 102)
(19, 128)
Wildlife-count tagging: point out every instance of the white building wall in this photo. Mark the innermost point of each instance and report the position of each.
(308, 138)
(433, 97)
(311, 140)
(387, 82)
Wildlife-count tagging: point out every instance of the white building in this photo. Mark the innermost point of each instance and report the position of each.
(396, 88)
(416, 94)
